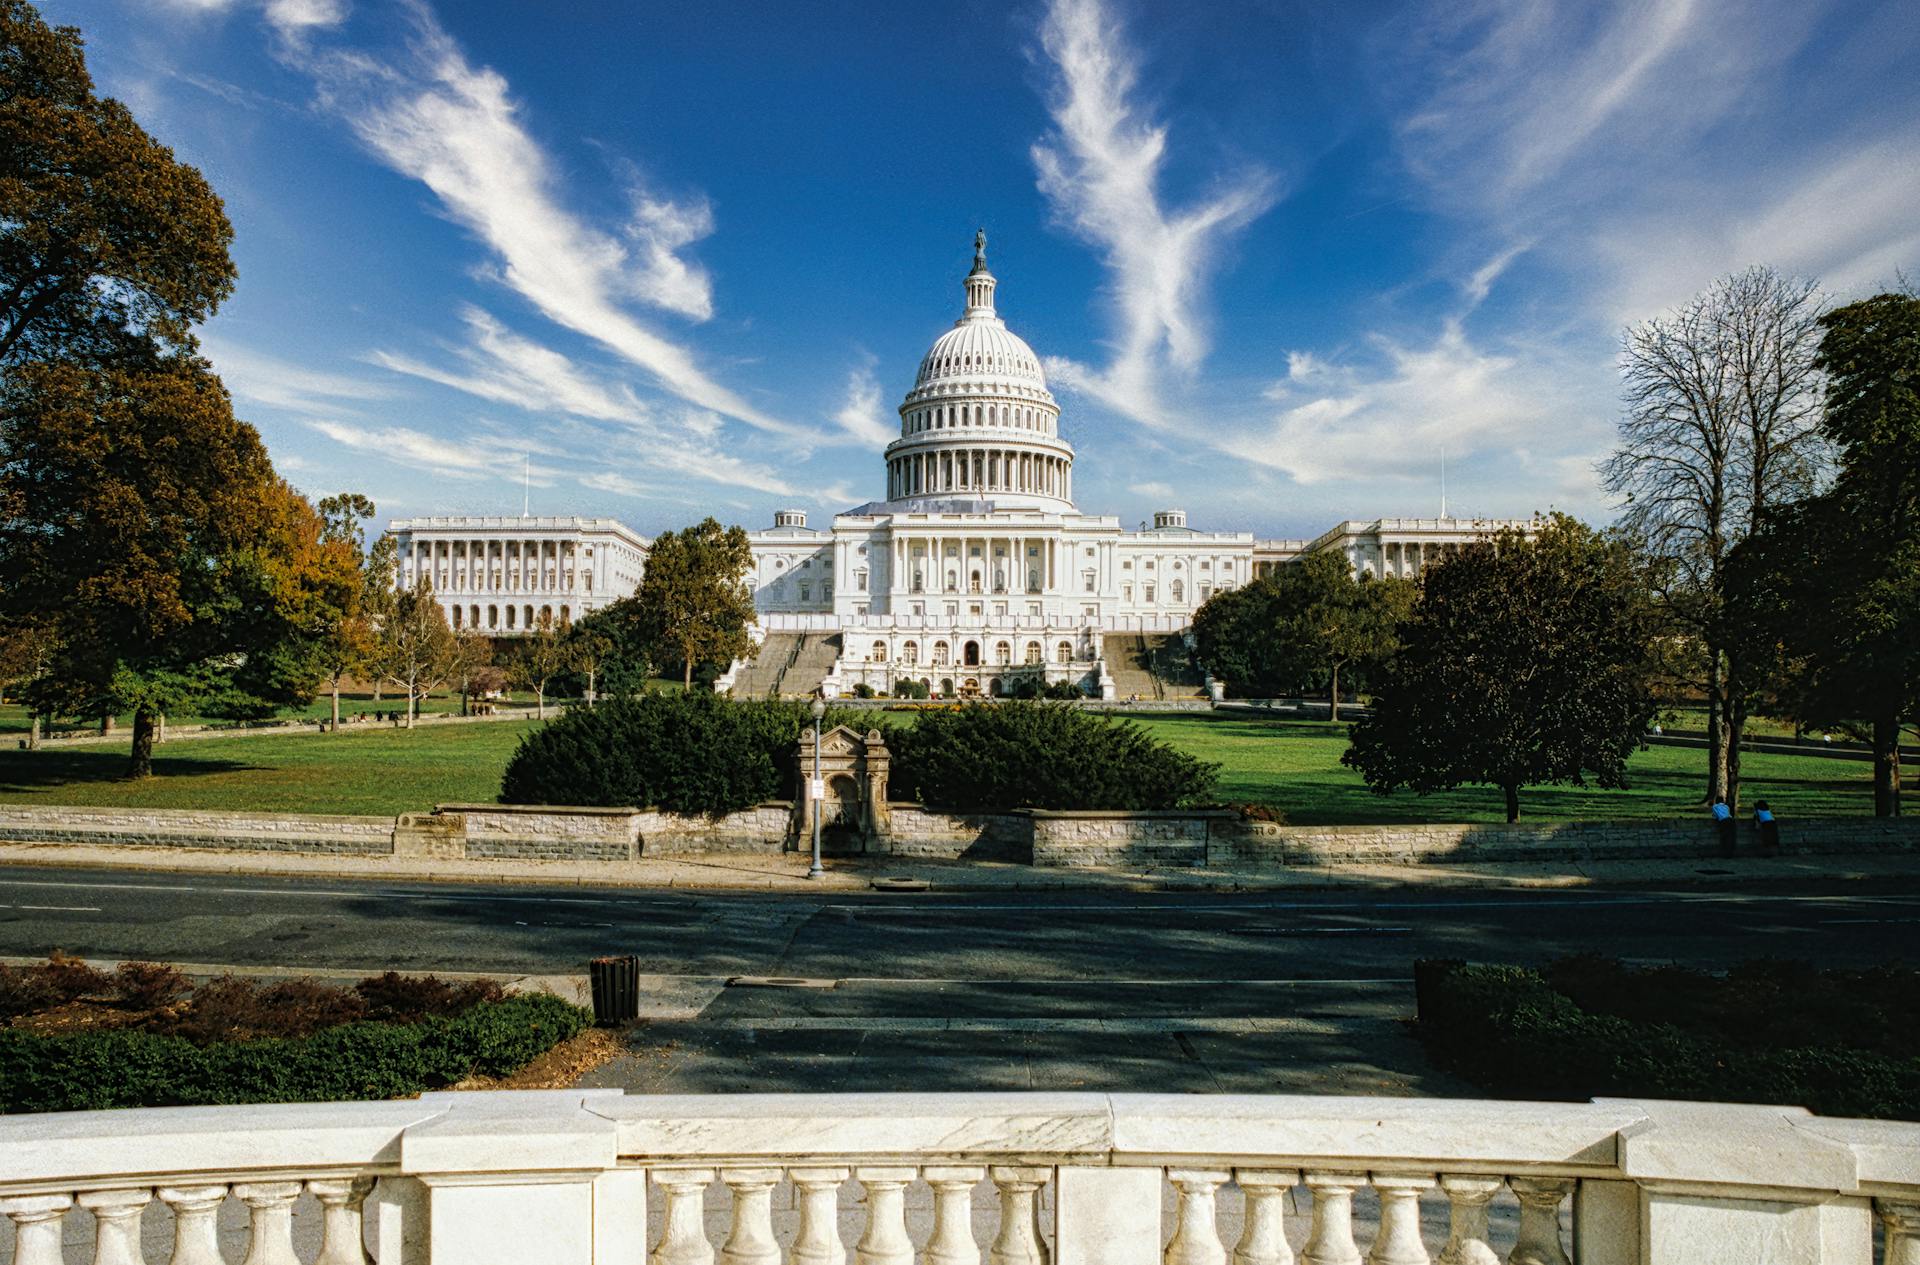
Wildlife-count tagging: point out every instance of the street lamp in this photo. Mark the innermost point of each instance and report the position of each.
(815, 791)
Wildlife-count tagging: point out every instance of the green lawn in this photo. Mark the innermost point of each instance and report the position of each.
(1293, 765)
(381, 771)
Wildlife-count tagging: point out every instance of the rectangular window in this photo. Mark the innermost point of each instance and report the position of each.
(860, 581)
(826, 592)
(1149, 592)
(1088, 577)
(806, 593)
(1126, 592)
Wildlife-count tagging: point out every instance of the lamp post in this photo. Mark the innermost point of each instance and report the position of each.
(817, 801)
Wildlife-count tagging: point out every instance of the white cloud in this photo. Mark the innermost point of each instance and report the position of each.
(477, 456)
(257, 378)
(290, 18)
(861, 415)
(1392, 423)
(454, 127)
(1100, 170)
(508, 369)
(1161, 491)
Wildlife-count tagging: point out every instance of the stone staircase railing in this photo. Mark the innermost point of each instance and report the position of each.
(595, 1177)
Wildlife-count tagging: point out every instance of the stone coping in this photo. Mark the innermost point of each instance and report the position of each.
(583, 810)
(103, 811)
(1727, 1149)
(1128, 814)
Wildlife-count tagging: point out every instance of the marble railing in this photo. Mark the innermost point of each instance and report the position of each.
(595, 1177)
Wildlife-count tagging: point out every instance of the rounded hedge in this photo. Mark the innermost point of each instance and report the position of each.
(693, 753)
(1001, 756)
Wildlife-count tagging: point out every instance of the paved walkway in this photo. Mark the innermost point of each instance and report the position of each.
(787, 872)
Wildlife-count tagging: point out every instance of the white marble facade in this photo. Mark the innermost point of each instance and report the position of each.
(977, 552)
(504, 575)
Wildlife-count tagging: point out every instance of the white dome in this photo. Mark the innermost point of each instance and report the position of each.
(979, 426)
(981, 348)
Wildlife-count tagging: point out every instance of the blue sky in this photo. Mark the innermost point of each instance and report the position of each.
(683, 259)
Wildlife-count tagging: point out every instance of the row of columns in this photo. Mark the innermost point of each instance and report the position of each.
(979, 470)
(932, 562)
(955, 416)
(527, 572)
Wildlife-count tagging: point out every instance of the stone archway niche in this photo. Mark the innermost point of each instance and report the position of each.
(854, 768)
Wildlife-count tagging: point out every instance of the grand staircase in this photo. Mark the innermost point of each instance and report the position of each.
(789, 665)
(1152, 666)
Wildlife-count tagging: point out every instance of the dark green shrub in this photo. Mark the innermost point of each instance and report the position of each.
(130, 1068)
(694, 753)
(1040, 755)
(1530, 1034)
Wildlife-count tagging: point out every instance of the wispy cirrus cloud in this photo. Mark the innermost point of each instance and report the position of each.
(474, 456)
(435, 117)
(290, 18)
(255, 377)
(1100, 170)
(501, 366)
(861, 416)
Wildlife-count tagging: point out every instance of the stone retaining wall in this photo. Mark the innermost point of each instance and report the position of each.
(921, 832)
(195, 828)
(1046, 839)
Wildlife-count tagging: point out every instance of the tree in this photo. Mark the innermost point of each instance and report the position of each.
(26, 651)
(1833, 583)
(540, 656)
(106, 241)
(1721, 424)
(588, 651)
(417, 650)
(473, 665)
(347, 642)
(377, 588)
(1300, 628)
(150, 536)
(694, 600)
(1525, 662)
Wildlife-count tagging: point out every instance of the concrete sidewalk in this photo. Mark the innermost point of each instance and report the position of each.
(788, 872)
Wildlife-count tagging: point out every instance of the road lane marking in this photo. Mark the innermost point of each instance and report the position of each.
(65, 909)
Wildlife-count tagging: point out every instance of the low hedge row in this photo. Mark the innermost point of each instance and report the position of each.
(1509, 1031)
(130, 1068)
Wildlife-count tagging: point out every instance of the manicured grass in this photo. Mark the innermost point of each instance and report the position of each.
(1295, 766)
(1292, 765)
(381, 771)
(14, 718)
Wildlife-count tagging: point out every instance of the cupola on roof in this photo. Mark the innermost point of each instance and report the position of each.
(980, 344)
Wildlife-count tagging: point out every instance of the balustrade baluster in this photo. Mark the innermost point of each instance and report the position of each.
(1263, 1230)
(953, 1242)
(1196, 1229)
(341, 1200)
(818, 1242)
(36, 1227)
(1018, 1241)
(750, 1240)
(1330, 1241)
(1397, 1241)
(683, 1239)
(269, 1221)
(1901, 1221)
(1538, 1242)
(1467, 1198)
(116, 1231)
(885, 1241)
(195, 1236)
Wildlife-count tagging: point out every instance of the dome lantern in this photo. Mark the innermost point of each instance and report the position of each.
(979, 283)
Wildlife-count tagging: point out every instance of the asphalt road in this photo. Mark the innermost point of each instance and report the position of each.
(1201, 991)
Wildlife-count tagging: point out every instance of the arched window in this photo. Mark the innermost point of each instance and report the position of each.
(1033, 654)
(1063, 653)
(473, 616)
(940, 654)
(456, 617)
(910, 652)
(1179, 590)
(1002, 653)
(879, 653)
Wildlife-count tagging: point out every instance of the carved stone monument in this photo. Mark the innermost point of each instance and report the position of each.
(853, 816)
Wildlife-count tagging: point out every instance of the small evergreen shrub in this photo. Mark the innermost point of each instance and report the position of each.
(133, 1068)
(694, 753)
(1592, 1027)
(1039, 755)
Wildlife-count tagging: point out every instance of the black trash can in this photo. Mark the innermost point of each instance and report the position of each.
(616, 990)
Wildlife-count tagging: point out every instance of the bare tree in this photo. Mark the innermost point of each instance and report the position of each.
(1721, 423)
(542, 655)
(417, 650)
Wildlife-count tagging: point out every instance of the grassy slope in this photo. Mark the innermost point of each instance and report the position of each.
(1293, 765)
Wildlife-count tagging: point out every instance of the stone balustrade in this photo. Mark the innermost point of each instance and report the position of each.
(595, 1177)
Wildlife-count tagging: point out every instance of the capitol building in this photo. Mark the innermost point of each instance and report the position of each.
(977, 571)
